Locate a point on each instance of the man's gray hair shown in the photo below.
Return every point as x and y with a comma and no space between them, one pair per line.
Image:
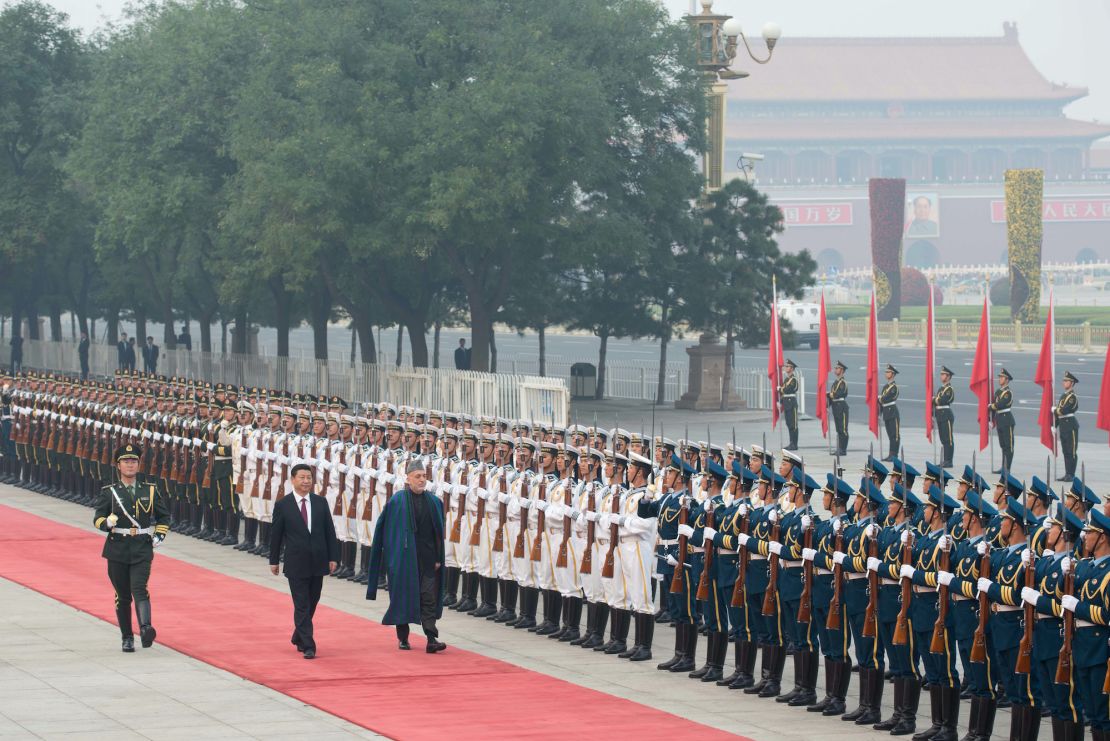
414,464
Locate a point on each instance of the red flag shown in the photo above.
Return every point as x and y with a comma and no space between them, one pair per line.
774,355
1103,419
1045,377
824,365
982,380
930,363
873,370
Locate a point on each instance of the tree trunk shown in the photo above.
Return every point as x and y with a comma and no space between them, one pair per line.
481,333
726,382
354,342
601,352
73,326
92,330
223,336
206,333
435,344
543,350
366,345
140,325
17,314
32,321
281,305
169,338
418,343
320,309
242,329
400,344
492,350
113,325
55,310
664,339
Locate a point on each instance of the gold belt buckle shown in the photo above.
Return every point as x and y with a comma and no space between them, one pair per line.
134,531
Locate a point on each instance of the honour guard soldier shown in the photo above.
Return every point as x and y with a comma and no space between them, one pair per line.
767,628
801,635
1080,499
136,518
726,562
1062,529
1091,606
942,414
858,538
838,399
714,607
637,536
788,392
1001,408
888,400
1068,425
1003,588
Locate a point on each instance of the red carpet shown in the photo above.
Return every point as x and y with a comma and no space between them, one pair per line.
360,676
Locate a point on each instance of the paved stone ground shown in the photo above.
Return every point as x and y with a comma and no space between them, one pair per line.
61,671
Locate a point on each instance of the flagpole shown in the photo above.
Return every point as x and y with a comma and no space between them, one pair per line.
990,365
873,320
1052,329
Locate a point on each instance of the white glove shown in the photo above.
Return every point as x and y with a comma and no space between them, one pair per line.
574,514
775,548
981,548
1030,596
158,540
197,442
210,446
983,585
808,554
837,525
907,571
671,560
525,503
580,519
502,497
744,509
872,531
1065,564
592,517
685,530
541,505
742,539
603,519
943,542
838,557
481,493
1048,553
1026,556
147,434
1069,602
904,537
944,578
873,564
112,519
707,533
98,425
807,522
773,516
622,521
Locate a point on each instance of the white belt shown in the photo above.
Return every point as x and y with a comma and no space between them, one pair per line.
756,557
1065,416
923,590
1084,624
854,577
668,542
726,552
824,572
221,457
1009,608
1004,411
791,564
788,396
961,598
938,406
695,549
890,404
138,531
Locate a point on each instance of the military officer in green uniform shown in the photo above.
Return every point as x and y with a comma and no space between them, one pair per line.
888,400
1001,407
788,392
838,399
136,518
942,414
1068,425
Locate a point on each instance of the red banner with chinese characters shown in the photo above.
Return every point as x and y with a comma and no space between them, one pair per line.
816,214
1062,209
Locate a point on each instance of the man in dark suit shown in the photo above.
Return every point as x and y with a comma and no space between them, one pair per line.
121,351
83,355
462,357
302,523
150,356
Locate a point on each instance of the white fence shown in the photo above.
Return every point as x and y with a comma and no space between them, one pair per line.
467,392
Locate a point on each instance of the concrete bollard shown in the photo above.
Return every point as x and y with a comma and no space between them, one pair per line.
894,332
1017,334
955,334
1087,336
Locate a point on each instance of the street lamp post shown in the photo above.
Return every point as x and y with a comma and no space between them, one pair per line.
717,39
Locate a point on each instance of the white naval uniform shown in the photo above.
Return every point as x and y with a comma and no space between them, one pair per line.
637,554
502,566
565,577
612,588
543,573
464,552
242,471
481,553
365,471
591,582
521,491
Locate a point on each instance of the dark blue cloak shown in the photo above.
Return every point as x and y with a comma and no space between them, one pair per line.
394,552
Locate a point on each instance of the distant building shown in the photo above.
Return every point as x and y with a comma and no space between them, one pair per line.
949,115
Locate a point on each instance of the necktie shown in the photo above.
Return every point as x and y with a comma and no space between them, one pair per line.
304,510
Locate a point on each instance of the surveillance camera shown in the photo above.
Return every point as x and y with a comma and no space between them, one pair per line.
751,156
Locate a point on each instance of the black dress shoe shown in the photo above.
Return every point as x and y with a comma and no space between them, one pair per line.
310,653
435,646
129,645
403,645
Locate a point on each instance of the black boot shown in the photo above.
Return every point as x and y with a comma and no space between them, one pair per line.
720,651
501,599
551,613
637,636
875,684
264,539
645,632
363,575
767,656
896,718
469,592
591,619
231,535
679,647
596,639
736,666
710,647
618,637
689,656
936,714
950,715
748,654
830,684
842,676
864,697
508,610
911,699
347,567
799,673
529,599
488,604
146,629
574,620
247,542
450,585
1017,723
774,682
975,717
127,634
808,693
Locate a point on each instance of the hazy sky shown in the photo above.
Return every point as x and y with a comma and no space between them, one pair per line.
1066,39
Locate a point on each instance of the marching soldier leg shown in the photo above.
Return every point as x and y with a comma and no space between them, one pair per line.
119,574
893,431
1069,445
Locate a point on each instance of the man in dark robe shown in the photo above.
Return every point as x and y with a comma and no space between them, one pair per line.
408,546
